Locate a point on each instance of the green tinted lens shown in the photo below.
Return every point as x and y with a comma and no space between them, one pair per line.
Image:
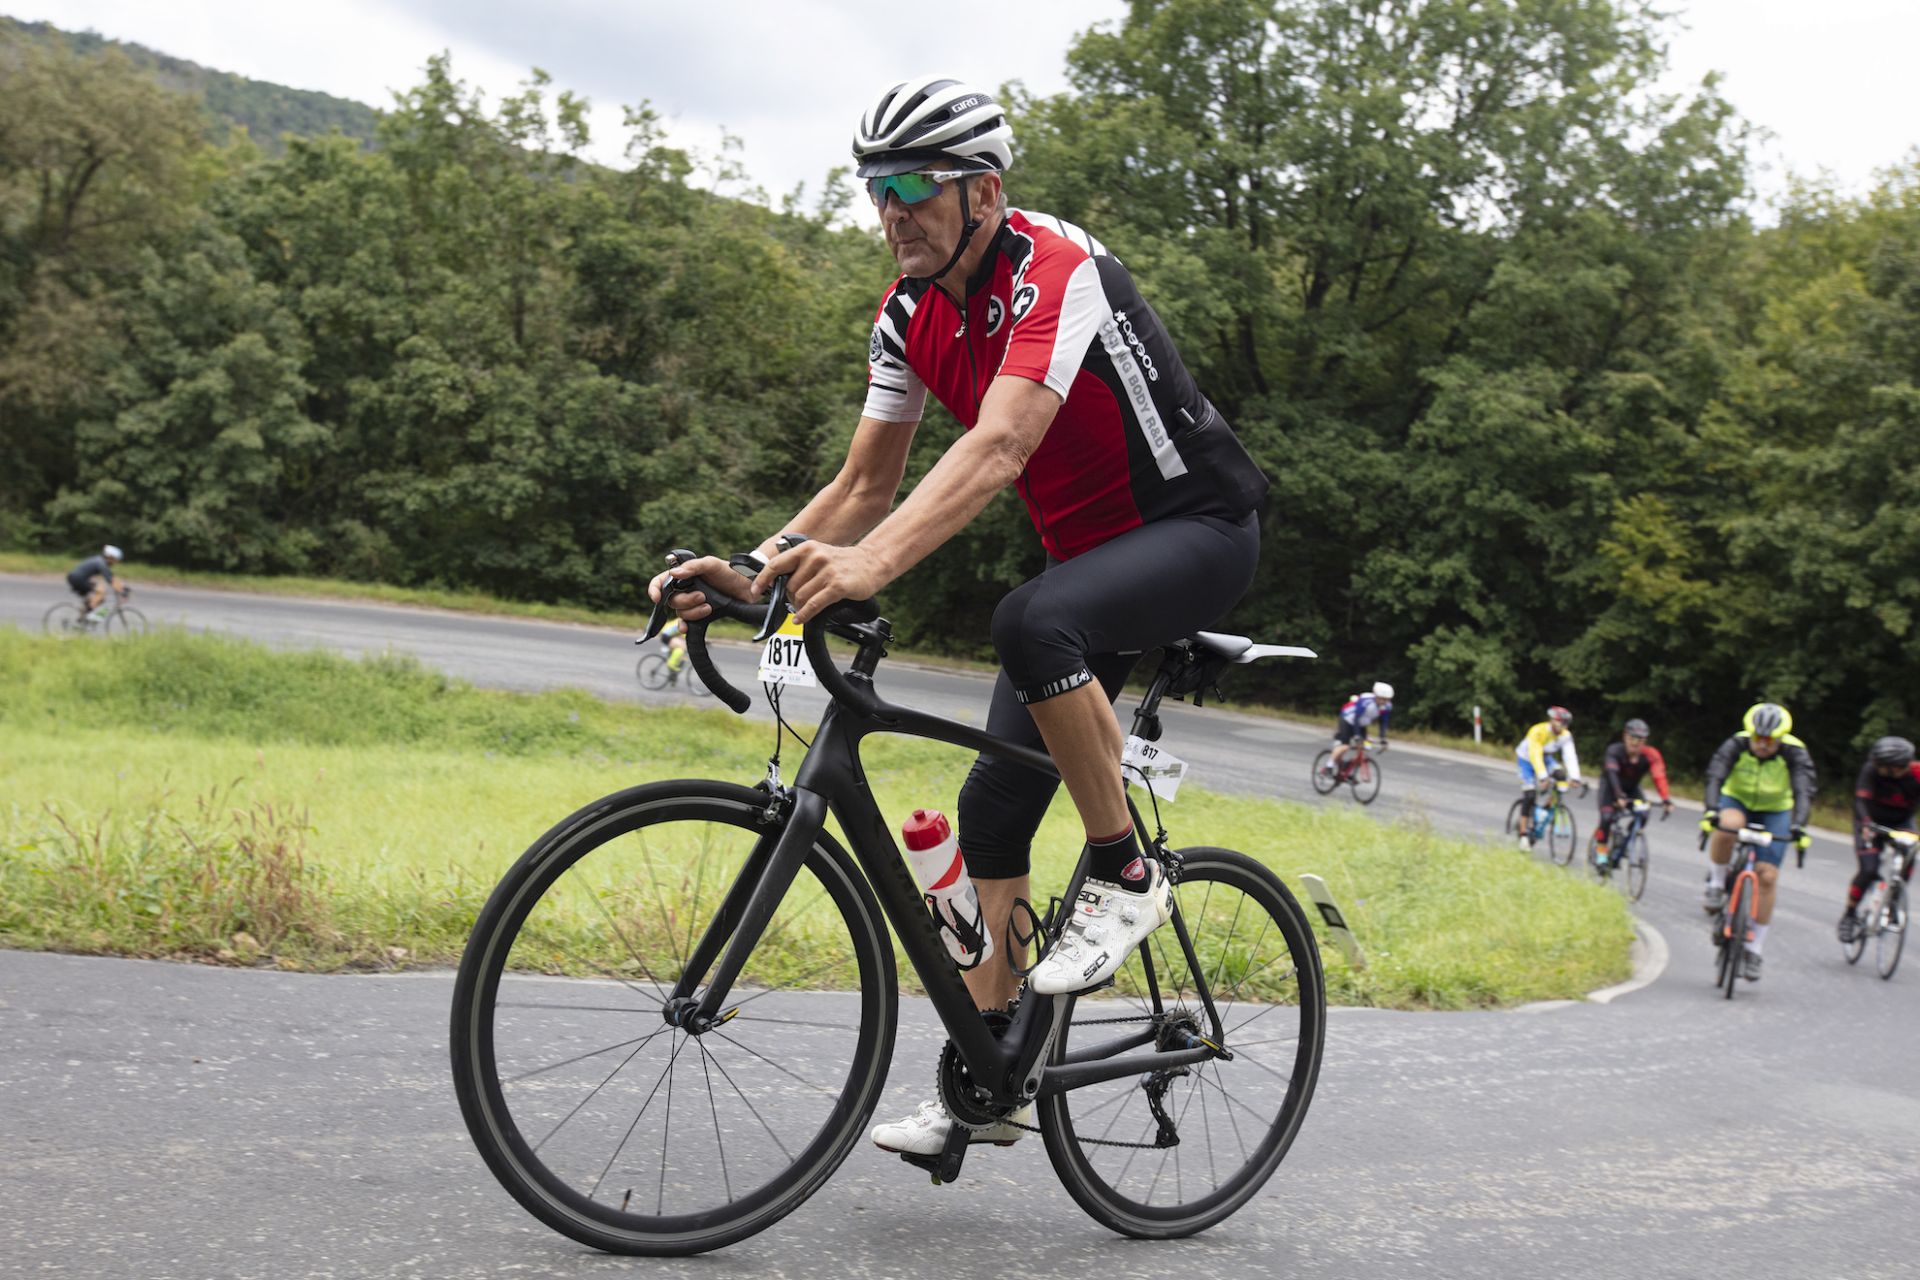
908,188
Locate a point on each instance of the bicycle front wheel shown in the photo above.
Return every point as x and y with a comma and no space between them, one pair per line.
611,1124
695,685
62,620
1892,935
1235,1119
1634,875
1735,942
1366,779
1323,781
1560,835
126,622
1517,817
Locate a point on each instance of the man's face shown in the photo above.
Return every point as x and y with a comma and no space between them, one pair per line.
922,235
1634,744
1764,747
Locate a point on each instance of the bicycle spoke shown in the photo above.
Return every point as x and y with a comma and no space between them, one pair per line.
591,1093
641,1042
775,1065
666,1127
624,1138
713,1105
740,1093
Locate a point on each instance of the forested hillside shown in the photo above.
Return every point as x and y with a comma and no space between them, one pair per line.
266,111
1549,417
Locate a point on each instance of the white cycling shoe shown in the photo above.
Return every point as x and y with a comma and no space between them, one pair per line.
1108,922
924,1133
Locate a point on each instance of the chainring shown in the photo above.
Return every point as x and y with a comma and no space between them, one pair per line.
956,1084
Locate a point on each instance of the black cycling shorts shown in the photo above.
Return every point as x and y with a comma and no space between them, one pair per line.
1345,731
1085,619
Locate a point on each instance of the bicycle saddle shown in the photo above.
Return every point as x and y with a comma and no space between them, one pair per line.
1239,649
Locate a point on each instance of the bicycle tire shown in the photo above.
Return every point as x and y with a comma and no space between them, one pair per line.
1516,817
1365,780
126,621
1736,941
570,893
1323,782
1892,937
1638,856
652,672
1862,931
1561,837
695,685
62,620
1213,893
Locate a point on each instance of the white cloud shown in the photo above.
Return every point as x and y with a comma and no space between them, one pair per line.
789,77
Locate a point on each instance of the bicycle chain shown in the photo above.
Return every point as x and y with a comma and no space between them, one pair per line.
1100,1142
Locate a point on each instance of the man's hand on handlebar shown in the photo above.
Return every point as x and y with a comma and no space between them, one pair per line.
820,575
692,605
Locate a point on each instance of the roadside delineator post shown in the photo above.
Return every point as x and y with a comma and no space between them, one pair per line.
1335,922
1476,726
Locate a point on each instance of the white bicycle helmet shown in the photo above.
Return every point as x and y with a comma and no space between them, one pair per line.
932,121
1383,691
111,552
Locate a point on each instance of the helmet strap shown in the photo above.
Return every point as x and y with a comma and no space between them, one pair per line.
972,224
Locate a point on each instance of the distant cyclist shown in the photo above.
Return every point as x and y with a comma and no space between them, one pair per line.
1551,739
1630,760
1357,715
1888,793
1762,775
674,637
91,577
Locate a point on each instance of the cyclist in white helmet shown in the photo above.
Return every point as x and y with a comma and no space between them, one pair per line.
1035,337
90,579
1357,715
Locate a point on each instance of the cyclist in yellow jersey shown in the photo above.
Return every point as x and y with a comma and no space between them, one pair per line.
1761,776
1551,739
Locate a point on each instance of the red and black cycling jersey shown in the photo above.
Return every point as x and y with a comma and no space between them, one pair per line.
1134,440
1891,802
1624,773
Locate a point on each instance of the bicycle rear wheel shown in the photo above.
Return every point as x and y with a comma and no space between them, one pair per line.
611,1124
1869,915
1235,1119
695,685
62,620
1365,780
1323,781
1561,838
1892,937
652,671
1517,817
126,622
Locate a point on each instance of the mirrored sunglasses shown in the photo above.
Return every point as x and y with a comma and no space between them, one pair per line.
911,188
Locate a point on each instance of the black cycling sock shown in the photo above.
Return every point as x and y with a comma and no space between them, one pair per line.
1117,860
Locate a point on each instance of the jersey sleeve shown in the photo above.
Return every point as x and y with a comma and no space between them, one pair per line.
1536,752
1058,308
1657,766
895,392
1572,757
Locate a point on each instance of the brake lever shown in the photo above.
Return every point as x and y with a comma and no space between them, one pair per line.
777,599
661,613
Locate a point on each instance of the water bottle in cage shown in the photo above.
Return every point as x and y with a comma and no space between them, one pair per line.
935,857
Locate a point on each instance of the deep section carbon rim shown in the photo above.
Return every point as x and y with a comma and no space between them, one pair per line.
605,1121
1234,1118
1892,937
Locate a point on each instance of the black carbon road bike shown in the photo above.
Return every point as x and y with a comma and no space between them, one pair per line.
676,1012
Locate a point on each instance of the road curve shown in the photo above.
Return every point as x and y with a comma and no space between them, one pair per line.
165,1120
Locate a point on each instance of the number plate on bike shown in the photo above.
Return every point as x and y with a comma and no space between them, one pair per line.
784,661
1159,771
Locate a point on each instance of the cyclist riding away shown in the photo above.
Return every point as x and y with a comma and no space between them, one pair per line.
1357,714
90,579
1035,337
1628,763
1551,737
1762,775
1888,793
674,637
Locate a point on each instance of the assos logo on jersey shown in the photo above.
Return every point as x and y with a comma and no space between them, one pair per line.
1023,299
996,312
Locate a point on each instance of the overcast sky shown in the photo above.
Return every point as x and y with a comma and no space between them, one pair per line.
1832,79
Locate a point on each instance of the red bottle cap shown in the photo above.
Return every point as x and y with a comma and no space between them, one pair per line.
925,829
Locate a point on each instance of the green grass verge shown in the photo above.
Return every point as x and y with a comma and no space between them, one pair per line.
206,798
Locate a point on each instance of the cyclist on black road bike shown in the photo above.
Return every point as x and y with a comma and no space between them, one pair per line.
1887,793
1629,761
1763,776
1034,336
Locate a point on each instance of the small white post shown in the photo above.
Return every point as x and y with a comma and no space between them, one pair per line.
1476,726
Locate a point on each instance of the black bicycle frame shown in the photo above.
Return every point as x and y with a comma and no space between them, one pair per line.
833,780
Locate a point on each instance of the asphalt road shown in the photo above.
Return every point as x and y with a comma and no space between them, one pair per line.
164,1120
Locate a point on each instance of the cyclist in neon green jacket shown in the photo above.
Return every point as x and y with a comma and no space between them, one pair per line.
1762,776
